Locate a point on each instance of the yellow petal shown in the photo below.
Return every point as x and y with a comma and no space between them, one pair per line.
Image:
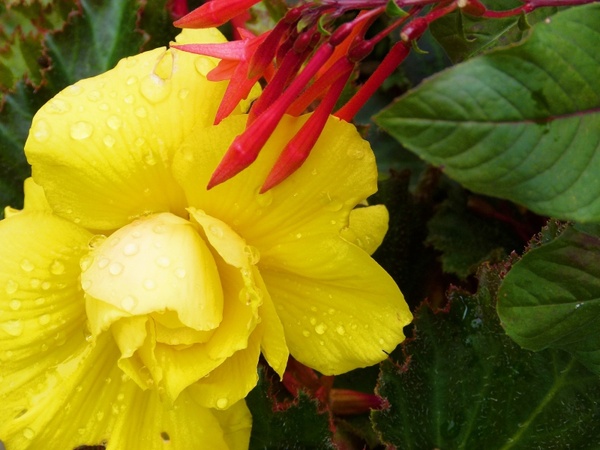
40,295
339,308
339,173
35,199
232,380
367,227
155,264
102,148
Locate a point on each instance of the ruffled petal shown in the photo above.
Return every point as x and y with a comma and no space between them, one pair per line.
367,227
339,308
339,173
43,316
232,380
102,148
156,264
89,401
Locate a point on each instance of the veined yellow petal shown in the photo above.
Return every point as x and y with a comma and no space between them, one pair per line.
40,295
307,203
232,380
367,227
121,129
35,199
339,308
155,264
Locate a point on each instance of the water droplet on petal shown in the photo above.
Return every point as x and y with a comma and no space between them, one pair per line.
46,285
320,329
39,301
340,330
149,158
15,304
103,262
114,122
141,112
216,230
356,153
73,90
313,320
128,303
12,327
28,433
109,141
180,273
81,130
149,284
57,106
129,99
41,131
252,253
222,403
131,80
115,268
163,261
154,88
204,65
264,199
305,333
103,107
57,267
131,249
11,287
86,285
183,93
27,265
44,319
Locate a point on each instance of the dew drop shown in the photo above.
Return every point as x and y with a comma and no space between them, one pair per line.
115,268
44,319
203,65
103,107
103,262
222,403
154,88
129,99
149,158
320,329
46,285
149,284
41,131
313,320
252,253
131,249
180,273
86,285
128,303
183,93
28,433
57,267
141,112
39,301
331,311
11,287
15,304
305,333
131,80
356,153
140,142
159,228
163,261
314,171
94,96
298,235
216,230
13,327
27,265
109,141
81,130
86,262
57,106
340,330
114,122
73,90
264,199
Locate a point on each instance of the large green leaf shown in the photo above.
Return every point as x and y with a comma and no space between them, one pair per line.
461,383
551,297
521,123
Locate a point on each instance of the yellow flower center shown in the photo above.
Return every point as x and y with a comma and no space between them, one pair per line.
156,284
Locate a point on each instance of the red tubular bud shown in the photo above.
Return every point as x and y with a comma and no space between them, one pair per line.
214,13
360,49
414,29
266,50
303,41
472,7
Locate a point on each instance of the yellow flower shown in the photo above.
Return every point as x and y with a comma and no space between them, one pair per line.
135,303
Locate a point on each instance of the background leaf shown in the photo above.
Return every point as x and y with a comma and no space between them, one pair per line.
551,297
520,123
461,383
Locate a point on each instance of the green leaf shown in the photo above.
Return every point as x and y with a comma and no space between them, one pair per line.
461,383
551,297
298,425
463,36
466,237
520,123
